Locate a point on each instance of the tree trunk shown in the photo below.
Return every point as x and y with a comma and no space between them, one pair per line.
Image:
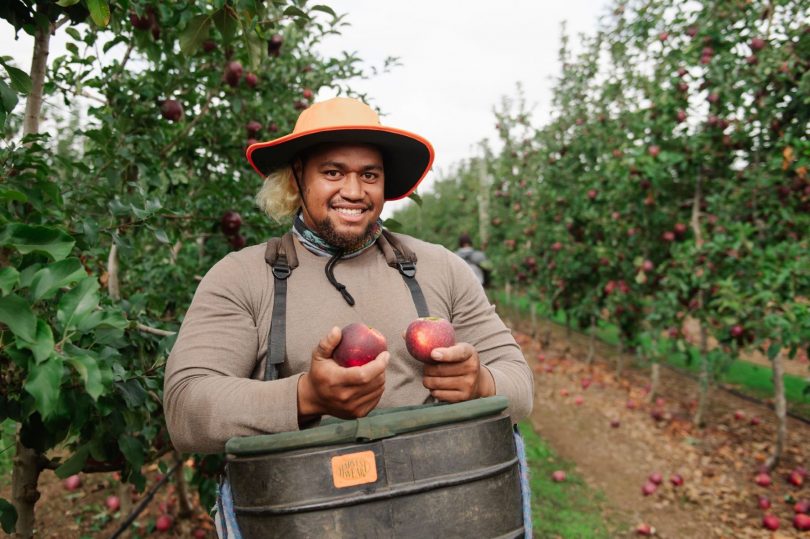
39,63
780,408
483,205
25,473
24,493
591,341
704,379
620,359
655,380
113,285
183,505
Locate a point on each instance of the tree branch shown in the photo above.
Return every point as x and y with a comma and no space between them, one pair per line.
154,331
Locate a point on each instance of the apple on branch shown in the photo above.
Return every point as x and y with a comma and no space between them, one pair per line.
426,333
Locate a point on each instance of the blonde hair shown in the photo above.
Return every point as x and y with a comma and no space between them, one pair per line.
278,196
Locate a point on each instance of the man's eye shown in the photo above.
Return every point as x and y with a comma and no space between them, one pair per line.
332,173
369,176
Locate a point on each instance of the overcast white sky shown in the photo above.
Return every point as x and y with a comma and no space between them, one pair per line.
459,58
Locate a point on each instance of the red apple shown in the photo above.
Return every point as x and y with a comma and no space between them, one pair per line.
558,476
763,503
649,488
274,45
171,109
556,246
564,392
645,529
251,79
72,483
763,480
307,94
358,345
253,127
163,523
801,522
209,45
802,506
585,383
739,415
656,478
237,241
113,503
736,331
757,44
615,423
653,150
425,334
676,480
770,522
754,421
230,222
233,73
796,478
579,399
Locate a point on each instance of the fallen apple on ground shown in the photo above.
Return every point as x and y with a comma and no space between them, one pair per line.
72,483
425,334
358,345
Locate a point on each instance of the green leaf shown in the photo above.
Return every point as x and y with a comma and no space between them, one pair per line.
293,11
773,350
104,319
8,97
226,24
324,9
78,303
8,516
133,450
133,393
54,276
43,383
20,81
392,224
67,3
88,368
16,313
99,12
161,236
72,32
9,277
12,194
416,198
195,33
74,464
44,239
43,345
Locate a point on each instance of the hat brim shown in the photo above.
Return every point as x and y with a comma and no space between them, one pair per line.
407,157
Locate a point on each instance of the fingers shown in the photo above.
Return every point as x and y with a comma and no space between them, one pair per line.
327,345
452,354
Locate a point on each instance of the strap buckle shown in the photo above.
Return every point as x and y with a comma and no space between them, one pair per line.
407,268
281,271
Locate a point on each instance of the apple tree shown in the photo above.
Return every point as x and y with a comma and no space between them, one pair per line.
123,181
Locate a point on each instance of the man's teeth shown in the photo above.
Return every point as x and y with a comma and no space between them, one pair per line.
347,211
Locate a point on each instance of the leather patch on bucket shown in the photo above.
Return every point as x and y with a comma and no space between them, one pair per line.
354,469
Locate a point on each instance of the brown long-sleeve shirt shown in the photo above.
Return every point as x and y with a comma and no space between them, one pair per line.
213,388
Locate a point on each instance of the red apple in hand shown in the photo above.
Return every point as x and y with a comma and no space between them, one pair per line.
359,344
425,334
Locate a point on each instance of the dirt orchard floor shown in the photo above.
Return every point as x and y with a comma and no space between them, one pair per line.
81,513
719,498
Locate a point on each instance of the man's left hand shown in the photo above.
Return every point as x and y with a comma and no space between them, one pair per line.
457,374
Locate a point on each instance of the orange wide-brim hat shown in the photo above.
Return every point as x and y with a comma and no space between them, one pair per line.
407,157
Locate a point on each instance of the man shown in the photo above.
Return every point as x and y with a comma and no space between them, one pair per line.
333,173
475,259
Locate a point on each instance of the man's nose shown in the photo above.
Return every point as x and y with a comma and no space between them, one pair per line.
352,187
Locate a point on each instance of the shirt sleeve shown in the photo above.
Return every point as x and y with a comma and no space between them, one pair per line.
477,323
209,396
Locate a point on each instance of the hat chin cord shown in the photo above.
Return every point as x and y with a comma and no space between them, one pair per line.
330,266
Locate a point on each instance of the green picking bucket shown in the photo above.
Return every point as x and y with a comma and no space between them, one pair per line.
438,470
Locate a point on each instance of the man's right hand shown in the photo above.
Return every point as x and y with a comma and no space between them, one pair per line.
342,392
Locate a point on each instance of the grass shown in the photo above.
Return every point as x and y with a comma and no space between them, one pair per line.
748,378
569,509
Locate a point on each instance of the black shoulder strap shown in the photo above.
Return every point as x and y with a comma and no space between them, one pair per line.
280,254
404,260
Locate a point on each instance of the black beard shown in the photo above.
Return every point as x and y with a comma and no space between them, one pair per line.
326,230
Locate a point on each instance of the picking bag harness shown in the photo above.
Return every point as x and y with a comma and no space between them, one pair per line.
280,255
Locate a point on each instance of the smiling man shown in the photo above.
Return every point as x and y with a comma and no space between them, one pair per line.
254,353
